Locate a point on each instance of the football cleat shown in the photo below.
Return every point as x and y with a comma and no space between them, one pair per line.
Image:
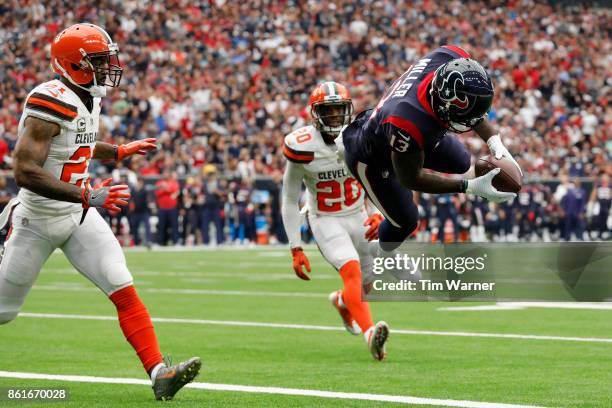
350,324
377,340
171,378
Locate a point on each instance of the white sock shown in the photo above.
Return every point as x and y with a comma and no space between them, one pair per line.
341,301
366,334
154,372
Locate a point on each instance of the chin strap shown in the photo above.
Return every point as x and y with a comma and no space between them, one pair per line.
94,90
97,91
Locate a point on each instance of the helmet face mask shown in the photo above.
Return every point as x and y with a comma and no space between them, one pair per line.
465,126
331,108
85,55
331,117
462,93
105,67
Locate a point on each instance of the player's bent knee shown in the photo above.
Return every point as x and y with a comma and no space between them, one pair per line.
391,237
8,316
410,218
338,251
413,226
404,226
465,163
117,276
410,224
351,270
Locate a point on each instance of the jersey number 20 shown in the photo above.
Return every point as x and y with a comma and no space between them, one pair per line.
333,191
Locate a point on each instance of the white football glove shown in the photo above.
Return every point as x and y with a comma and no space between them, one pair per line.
498,150
482,186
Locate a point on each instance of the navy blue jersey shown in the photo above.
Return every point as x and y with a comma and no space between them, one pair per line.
404,120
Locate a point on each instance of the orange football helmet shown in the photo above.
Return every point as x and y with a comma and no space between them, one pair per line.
325,101
85,54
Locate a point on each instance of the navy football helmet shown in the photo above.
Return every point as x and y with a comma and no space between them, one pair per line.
462,94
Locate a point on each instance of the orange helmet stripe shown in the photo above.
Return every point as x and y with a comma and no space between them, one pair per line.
323,91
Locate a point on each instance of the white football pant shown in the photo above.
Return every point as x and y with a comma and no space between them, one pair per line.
91,248
342,238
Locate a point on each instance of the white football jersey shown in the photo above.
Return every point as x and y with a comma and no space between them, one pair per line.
331,188
71,150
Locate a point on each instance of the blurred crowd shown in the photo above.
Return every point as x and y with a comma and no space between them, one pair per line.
220,83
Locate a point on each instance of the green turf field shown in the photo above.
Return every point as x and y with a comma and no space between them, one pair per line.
216,296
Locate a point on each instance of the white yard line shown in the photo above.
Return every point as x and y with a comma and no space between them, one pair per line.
271,390
495,307
527,305
226,275
75,288
277,249
500,306
327,328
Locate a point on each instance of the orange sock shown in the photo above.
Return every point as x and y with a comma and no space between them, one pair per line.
137,327
351,295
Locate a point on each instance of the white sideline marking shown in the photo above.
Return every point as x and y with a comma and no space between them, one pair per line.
208,248
74,288
225,275
325,328
527,305
501,306
271,390
273,254
280,248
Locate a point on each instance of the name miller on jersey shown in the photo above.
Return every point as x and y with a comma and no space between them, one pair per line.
332,174
85,138
412,74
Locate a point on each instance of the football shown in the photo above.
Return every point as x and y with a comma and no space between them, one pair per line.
508,179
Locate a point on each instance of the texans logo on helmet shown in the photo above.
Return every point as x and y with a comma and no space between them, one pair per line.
448,90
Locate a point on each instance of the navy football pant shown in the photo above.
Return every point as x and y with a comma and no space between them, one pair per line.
395,201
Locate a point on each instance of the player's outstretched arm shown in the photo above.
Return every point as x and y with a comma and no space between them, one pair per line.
489,134
30,155
107,151
290,211
409,170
